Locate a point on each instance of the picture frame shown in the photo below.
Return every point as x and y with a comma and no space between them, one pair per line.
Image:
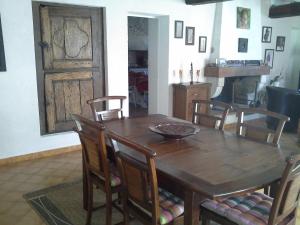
280,43
243,18
269,57
189,35
202,43
2,53
266,34
243,45
178,30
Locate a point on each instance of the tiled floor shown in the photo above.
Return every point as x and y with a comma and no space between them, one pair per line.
20,178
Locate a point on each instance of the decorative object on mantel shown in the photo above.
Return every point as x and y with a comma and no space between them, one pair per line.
266,34
191,73
202,43
243,45
178,33
235,68
243,18
189,35
2,54
280,43
269,57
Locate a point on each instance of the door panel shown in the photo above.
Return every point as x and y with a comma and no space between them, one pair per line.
66,93
71,41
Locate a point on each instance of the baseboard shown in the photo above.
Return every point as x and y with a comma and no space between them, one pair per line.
38,155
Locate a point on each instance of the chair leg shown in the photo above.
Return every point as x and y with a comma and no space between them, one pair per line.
119,198
267,190
205,221
125,208
90,203
108,209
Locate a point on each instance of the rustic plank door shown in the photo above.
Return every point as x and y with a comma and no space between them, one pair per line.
71,46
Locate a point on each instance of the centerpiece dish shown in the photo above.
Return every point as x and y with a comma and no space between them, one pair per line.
174,130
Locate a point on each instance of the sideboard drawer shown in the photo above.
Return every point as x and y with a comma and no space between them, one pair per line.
183,96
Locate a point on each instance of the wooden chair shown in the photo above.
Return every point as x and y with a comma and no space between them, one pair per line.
97,168
202,114
142,197
257,133
257,208
100,115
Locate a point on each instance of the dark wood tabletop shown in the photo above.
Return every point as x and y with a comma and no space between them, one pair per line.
209,164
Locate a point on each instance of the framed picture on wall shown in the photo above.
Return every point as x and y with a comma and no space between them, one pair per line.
190,35
178,29
2,54
243,45
280,43
202,43
269,57
243,18
266,34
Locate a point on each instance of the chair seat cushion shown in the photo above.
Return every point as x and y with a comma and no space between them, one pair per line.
251,209
115,179
170,206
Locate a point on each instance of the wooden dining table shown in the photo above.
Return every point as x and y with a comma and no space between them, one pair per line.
209,164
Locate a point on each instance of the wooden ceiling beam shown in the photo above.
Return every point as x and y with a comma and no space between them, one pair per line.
200,2
288,10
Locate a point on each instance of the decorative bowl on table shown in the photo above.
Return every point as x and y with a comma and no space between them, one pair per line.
174,130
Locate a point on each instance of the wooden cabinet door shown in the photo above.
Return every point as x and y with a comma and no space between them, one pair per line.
71,43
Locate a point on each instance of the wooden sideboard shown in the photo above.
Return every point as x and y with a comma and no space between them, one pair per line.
184,93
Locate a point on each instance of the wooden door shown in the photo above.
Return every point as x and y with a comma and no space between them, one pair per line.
71,49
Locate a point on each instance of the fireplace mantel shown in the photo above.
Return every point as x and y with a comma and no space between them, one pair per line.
220,72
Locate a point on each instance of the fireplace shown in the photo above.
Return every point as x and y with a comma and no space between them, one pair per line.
240,90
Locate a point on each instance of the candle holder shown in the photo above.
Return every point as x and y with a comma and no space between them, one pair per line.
180,76
198,75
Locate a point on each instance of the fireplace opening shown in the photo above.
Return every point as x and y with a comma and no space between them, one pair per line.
240,91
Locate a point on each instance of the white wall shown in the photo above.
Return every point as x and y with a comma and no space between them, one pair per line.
230,33
295,56
19,131
283,61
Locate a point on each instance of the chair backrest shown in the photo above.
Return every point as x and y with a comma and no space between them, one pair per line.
94,150
287,197
202,113
138,176
98,104
259,133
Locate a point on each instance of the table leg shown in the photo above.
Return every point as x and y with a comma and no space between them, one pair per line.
191,208
84,187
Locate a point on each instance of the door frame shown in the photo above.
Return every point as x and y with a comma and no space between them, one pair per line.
158,62
39,57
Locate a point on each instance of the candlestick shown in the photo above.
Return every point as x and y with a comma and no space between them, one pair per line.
191,73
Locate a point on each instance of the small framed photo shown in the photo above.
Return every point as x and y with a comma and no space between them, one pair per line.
202,43
243,45
178,29
243,18
190,35
269,57
266,34
280,43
